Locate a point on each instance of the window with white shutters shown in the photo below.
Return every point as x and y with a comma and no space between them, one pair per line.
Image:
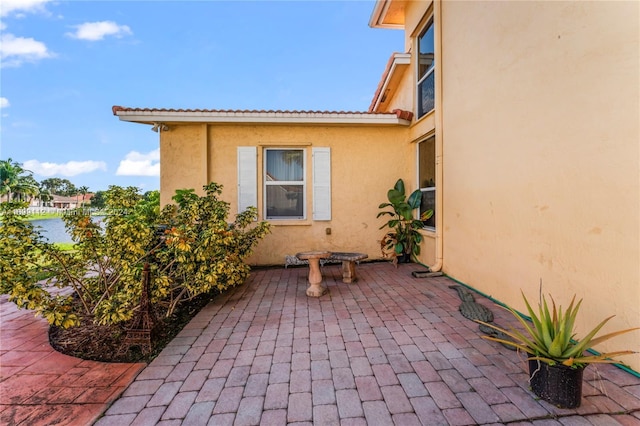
284,182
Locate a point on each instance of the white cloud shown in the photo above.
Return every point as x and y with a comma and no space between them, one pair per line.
71,168
16,50
22,6
137,164
4,103
94,31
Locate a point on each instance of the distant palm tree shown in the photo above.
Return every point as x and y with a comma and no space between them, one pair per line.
82,190
15,180
26,188
9,172
44,196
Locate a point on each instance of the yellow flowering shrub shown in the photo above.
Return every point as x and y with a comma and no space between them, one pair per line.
190,248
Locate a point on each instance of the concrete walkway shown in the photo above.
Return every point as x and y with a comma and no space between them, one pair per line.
388,350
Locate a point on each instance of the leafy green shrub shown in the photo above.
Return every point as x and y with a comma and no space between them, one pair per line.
202,251
25,257
190,248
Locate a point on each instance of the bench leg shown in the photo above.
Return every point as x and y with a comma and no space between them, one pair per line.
315,289
349,272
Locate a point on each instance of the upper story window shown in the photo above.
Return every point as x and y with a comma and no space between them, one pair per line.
284,181
426,66
427,178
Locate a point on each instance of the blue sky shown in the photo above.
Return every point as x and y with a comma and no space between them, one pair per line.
66,63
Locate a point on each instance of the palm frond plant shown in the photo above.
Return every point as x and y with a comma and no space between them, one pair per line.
551,341
404,237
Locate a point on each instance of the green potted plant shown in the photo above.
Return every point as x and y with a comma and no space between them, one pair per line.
557,356
402,243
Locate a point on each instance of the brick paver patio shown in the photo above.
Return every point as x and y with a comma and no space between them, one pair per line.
388,350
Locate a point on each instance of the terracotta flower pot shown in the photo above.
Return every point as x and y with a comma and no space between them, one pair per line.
557,384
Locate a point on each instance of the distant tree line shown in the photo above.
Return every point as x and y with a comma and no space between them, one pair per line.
18,184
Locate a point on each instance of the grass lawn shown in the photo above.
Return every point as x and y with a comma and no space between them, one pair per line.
65,246
43,216
58,215
44,274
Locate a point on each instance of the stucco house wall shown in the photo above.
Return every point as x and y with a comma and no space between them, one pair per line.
537,122
542,161
184,165
365,162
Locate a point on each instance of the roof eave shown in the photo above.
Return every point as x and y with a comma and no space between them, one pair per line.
397,64
380,14
398,118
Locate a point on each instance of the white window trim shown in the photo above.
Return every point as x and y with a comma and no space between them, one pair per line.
426,188
431,70
302,183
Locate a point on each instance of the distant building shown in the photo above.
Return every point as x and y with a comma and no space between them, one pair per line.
63,202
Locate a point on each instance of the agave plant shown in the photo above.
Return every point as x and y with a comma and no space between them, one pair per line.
552,338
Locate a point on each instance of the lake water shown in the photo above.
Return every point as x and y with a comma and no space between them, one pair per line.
54,230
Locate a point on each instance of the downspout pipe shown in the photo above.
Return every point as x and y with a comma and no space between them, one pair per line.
437,19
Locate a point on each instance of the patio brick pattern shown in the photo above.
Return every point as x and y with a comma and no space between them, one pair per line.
389,349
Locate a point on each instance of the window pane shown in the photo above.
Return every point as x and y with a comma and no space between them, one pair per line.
426,95
425,49
427,178
426,75
284,165
427,163
428,202
284,183
285,201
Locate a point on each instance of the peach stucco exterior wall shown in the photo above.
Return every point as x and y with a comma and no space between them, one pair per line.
402,97
541,156
184,148
365,162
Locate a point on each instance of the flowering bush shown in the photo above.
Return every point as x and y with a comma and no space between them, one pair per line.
190,248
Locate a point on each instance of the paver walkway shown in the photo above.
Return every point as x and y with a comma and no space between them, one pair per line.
388,350
39,386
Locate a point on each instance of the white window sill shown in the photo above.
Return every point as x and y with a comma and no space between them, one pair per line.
289,222
428,231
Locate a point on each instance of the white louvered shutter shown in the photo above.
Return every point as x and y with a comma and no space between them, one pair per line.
321,183
247,177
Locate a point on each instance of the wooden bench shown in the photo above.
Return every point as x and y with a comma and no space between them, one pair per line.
348,264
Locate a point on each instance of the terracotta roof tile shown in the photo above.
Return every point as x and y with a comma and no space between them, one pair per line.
403,114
